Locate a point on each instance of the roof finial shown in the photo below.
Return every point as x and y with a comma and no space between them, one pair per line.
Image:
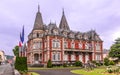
63,11
38,8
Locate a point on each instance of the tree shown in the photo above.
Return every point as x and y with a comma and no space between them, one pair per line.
49,64
115,49
16,51
21,64
106,61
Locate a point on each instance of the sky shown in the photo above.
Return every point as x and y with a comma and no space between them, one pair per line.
82,15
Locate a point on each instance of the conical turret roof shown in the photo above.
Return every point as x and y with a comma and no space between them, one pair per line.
63,23
38,24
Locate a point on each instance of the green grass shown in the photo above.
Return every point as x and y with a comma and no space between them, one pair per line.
97,71
33,73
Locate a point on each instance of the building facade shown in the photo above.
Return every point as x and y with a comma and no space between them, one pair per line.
2,57
61,44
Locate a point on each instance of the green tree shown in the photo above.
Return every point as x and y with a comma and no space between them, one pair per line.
115,49
16,51
49,64
106,61
21,64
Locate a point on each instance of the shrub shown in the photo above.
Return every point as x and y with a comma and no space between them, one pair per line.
49,64
98,64
94,62
111,63
21,64
106,61
64,65
109,69
78,63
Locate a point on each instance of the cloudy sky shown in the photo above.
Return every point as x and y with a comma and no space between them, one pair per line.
82,15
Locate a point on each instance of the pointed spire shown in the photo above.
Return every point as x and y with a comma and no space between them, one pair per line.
38,24
63,23
38,8
63,11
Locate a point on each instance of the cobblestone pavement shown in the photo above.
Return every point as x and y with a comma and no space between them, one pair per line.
54,72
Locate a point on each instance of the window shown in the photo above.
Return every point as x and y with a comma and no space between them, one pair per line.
56,44
37,45
37,35
65,45
86,46
80,45
80,58
53,44
56,56
97,46
65,57
55,31
65,34
86,58
72,57
34,35
98,57
72,45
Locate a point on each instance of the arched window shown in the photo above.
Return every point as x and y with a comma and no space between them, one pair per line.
37,45
72,45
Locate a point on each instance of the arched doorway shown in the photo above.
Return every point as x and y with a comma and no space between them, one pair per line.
36,58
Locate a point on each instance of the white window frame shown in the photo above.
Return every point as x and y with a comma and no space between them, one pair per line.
65,44
72,45
80,45
86,46
56,43
97,46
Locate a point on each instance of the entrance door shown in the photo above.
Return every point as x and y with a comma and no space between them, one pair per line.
36,58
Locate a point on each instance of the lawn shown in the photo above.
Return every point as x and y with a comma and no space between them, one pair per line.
97,71
33,73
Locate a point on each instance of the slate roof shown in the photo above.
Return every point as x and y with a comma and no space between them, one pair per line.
63,29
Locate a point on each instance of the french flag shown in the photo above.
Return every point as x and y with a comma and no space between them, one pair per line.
21,42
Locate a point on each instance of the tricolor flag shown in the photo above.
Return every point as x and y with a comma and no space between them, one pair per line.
21,42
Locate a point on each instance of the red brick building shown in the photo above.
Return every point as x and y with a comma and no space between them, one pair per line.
61,44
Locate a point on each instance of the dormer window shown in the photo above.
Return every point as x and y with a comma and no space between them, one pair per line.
86,37
65,34
55,31
80,36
